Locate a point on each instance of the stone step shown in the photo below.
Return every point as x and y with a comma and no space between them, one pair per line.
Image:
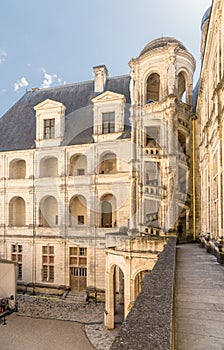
76,297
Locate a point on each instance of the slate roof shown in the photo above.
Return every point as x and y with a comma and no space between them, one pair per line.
18,125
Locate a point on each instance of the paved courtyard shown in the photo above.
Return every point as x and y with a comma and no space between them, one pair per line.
50,323
26,333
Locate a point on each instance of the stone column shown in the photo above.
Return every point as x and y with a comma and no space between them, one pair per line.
109,302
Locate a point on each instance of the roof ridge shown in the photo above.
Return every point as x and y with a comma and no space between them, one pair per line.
76,83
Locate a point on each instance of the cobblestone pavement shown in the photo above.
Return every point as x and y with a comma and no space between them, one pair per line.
87,315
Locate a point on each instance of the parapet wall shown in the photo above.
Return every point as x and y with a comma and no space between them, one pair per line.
149,324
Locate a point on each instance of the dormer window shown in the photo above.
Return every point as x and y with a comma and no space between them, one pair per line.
49,128
108,123
109,116
50,123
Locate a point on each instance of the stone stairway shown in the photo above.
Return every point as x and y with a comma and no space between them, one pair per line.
76,297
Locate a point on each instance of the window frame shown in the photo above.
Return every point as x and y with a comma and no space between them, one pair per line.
48,273
49,130
108,122
17,256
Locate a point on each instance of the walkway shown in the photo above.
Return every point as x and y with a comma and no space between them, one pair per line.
199,300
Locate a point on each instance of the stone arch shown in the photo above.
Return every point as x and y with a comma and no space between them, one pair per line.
184,81
17,169
48,212
49,167
152,87
108,210
77,211
108,163
137,278
78,165
115,296
17,211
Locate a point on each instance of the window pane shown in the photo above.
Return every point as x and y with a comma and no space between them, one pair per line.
82,261
73,261
80,220
45,269
49,126
20,271
83,272
80,172
45,250
76,271
82,251
44,259
51,250
108,122
72,251
51,276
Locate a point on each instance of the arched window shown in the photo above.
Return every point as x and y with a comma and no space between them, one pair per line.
48,212
108,164
181,88
77,211
108,211
17,212
78,165
49,167
17,169
153,88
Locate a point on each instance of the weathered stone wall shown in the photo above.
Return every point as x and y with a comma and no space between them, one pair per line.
149,323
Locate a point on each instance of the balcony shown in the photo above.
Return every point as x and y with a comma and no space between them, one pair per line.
153,151
154,191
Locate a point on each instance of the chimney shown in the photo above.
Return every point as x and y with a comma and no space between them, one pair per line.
100,77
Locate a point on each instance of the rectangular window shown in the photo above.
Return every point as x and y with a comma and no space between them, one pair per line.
108,123
16,256
49,128
80,219
152,136
80,172
48,263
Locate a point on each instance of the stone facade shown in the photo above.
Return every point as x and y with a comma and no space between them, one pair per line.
209,125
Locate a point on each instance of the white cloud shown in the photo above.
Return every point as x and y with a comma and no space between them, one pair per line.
50,79
20,83
3,55
3,91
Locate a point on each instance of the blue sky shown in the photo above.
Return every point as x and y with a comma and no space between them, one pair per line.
52,42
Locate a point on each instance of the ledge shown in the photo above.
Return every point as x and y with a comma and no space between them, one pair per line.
149,324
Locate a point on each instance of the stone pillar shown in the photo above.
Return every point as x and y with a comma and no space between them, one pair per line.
109,304
133,223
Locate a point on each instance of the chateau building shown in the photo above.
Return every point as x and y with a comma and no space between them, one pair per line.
94,176
209,123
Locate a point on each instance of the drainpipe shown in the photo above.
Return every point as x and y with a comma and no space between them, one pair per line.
193,175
